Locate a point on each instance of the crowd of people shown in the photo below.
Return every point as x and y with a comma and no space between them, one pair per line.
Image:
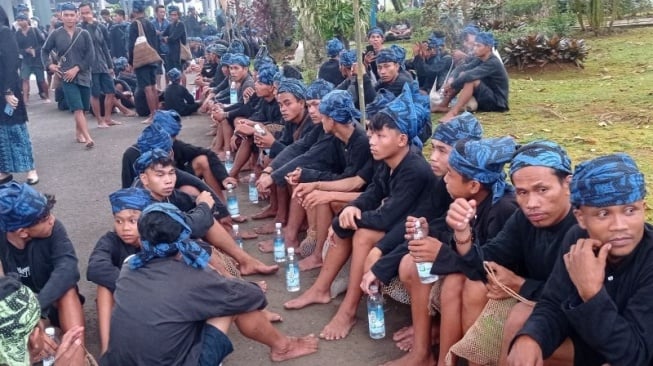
545,262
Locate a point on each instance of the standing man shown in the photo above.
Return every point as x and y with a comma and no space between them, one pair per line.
193,23
145,75
102,68
174,36
74,49
160,24
29,42
118,35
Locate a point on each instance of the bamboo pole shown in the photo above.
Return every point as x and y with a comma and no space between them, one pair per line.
360,64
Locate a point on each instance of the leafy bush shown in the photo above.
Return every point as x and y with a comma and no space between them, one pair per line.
387,19
539,50
518,8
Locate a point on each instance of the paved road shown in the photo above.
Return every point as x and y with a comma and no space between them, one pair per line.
82,181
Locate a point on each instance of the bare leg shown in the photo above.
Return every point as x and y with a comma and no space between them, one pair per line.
124,110
221,239
474,300
152,102
104,307
340,325
320,291
201,169
109,102
254,325
82,128
227,132
26,91
321,224
420,353
218,141
71,314
464,96
296,216
242,155
451,329
95,106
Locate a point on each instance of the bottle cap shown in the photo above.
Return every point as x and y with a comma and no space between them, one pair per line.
291,250
230,186
374,289
277,225
252,175
49,331
234,227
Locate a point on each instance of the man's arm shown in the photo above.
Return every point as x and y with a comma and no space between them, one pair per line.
88,53
105,46
101,269
478,72
189,152
65,273
45,50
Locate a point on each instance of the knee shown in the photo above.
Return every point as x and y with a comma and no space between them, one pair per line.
190,190
200,164
452,288
407,269
366,237
474,293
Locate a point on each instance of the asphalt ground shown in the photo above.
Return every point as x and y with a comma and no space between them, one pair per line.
82,180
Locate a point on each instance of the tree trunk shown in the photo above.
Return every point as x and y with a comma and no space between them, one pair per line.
314,51
398,5
282,21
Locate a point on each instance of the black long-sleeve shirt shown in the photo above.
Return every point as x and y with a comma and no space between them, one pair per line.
9,79
397,85
178,98
613,327
528,251
291,133
242,108
51,264
33,39
82,53
100,37
393,193
351,85
293,151
148,31
118,38
491,72
267,112
176,33
185,153
433,68
330,71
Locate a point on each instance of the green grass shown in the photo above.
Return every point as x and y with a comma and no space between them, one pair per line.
601,109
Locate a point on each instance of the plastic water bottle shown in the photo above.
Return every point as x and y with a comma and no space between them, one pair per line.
253,192
424,268
279,245
375,316
233,93
292,272
232,201
237,237
229,161
50,333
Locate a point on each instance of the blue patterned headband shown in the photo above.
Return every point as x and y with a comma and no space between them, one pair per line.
292,86
154,137
463,126
21,206
339,105
191,252
169,121
483,161
129,199
541,153
348,57
609,180
266,74
333,47
318,89
147,158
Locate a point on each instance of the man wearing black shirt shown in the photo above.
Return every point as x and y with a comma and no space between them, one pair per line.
118,34
391,76
29,42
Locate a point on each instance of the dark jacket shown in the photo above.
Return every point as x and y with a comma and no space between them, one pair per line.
150,34
82,53
9,79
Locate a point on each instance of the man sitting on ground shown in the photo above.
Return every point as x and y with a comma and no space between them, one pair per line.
330,69
177,98
600,294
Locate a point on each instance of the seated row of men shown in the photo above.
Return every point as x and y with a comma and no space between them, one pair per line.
577,245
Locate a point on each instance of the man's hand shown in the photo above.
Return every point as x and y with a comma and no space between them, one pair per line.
230,180
424,250
247,93
460,214
264,183
586,269
55,69
244,129
348,216
410,227
369,57
315,198
525,352
417,50
70,75
70,347
304,189
205,197
264,141
293,177
369,278
218,114
506,277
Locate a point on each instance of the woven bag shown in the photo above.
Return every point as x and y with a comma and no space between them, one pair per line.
144,54
482,342
185,53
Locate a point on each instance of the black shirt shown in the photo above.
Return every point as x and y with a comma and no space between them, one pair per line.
330,71
33,39
150,34
491,72
177,97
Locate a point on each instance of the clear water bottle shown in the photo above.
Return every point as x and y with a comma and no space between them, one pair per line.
229,161
253,192
292,272
232,201
50,333
279,245
423,268
233,93
375,316
237,237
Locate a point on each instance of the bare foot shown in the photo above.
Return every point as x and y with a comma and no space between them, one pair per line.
296,347
263,285
310,262
413,359
311,296
266,229
257,267
102,125
246,234
90,144
266,213
271,316
266,246
113,123
148,120
130,114
80,140
404,338
239,219
339,327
